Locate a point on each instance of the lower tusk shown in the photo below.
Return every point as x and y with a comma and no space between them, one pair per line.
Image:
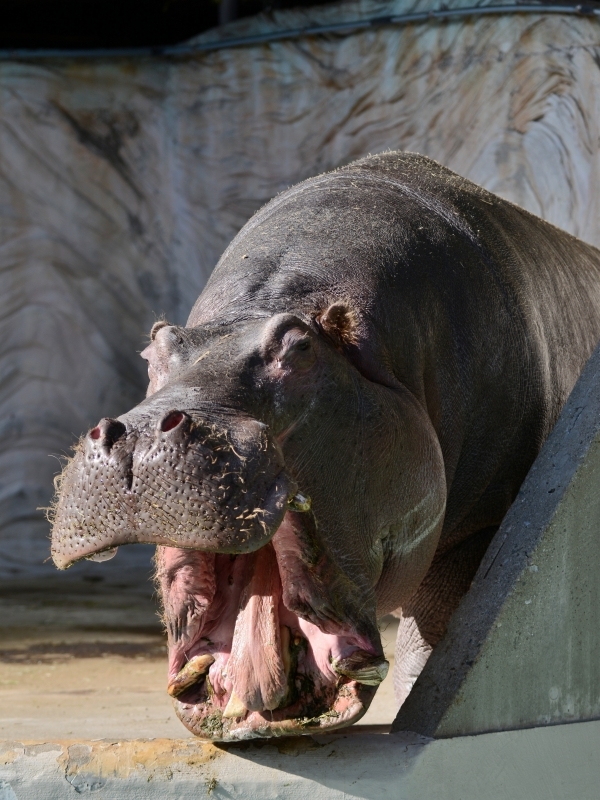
194,669
300,502
362,668
234,708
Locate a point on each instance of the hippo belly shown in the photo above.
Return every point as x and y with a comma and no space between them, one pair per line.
335,435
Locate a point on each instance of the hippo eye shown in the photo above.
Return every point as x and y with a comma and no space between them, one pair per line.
300,346
175,337
299,354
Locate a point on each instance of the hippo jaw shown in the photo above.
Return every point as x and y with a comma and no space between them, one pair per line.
242,662
266,636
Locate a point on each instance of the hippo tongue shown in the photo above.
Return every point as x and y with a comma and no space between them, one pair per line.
256,666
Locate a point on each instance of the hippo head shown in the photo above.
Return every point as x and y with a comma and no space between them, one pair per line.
294,488
226,466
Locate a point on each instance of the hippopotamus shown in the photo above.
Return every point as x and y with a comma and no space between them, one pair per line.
334,436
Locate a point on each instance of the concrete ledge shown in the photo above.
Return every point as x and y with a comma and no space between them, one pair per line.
537,764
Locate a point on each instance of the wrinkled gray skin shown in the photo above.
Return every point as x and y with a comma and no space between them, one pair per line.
388,344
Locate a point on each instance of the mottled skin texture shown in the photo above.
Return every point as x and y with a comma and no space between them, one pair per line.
388,340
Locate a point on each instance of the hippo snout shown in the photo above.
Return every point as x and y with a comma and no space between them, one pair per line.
177,478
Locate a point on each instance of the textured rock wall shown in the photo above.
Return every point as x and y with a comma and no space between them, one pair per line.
122,181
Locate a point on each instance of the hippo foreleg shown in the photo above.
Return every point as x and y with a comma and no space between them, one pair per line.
425,617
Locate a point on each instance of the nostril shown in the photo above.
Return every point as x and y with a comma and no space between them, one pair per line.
107,431
172,420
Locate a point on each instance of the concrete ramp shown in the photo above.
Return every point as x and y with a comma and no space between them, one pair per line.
523,649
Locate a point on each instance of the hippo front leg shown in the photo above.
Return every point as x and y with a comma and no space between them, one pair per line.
425,616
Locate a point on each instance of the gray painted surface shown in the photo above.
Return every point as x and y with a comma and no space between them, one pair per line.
540,764
523,649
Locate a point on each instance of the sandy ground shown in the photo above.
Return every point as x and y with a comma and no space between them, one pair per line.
85,659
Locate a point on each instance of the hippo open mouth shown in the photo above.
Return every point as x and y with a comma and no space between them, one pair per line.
266,636
241,663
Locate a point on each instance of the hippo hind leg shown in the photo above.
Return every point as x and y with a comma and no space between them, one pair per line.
425,617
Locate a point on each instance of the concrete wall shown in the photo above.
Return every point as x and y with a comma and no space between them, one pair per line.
122,181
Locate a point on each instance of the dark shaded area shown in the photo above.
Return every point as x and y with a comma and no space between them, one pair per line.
121,23
46,653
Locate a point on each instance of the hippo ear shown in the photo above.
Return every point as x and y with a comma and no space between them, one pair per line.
160,354
160,323
339,323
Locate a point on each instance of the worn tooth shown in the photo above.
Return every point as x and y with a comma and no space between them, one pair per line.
362,668
234,708
194,669
300,502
